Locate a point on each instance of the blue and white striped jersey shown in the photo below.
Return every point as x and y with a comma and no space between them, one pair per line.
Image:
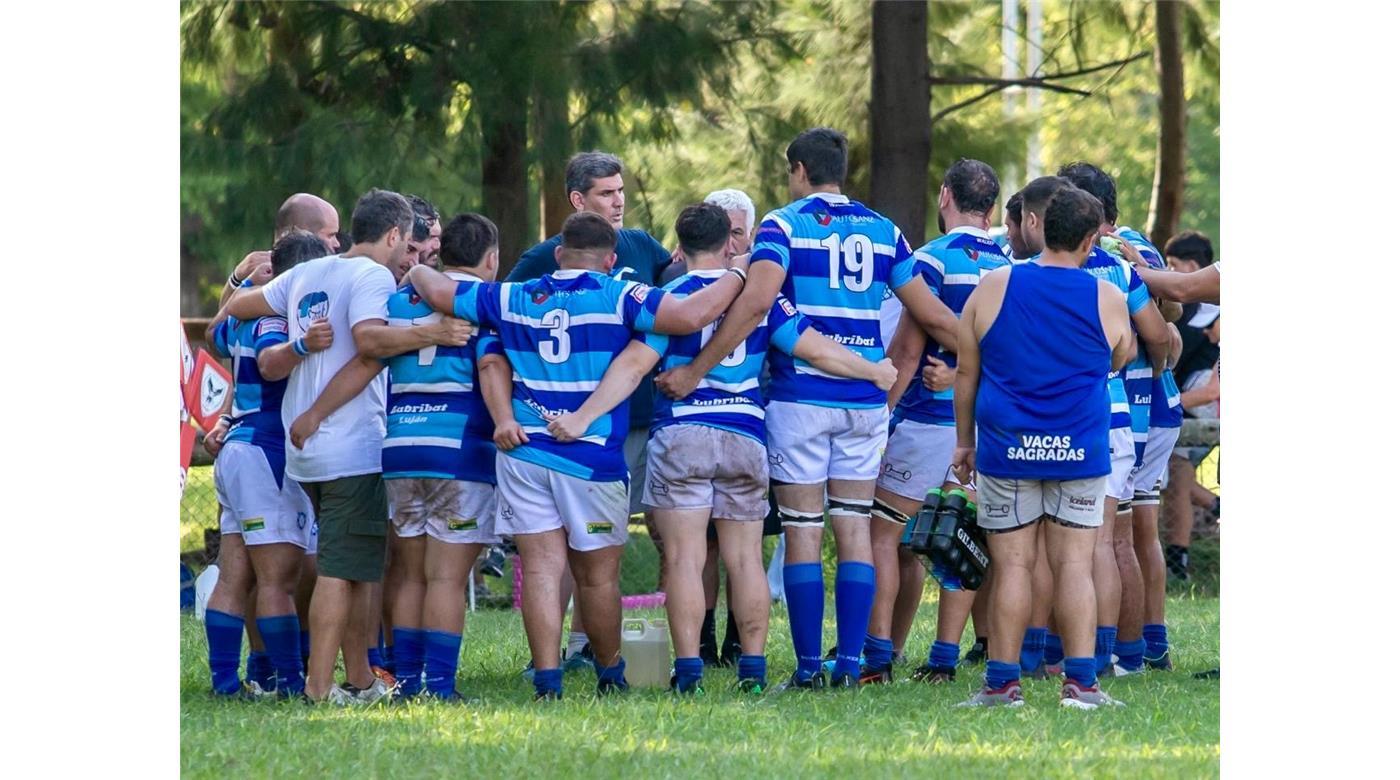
839,257
728,397
559,333
952,265
1119,273
438,426
1163,407
257,403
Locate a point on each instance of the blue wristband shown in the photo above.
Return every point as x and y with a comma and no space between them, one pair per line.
299,347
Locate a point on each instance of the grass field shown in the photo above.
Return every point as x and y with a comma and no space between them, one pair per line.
1170,727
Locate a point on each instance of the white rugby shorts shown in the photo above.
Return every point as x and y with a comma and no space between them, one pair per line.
808,444
532,499
251,504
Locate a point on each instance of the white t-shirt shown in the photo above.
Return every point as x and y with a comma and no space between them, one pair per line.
345,291
890,309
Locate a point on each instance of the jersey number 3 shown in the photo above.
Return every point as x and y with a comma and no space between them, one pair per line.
556,348
852,261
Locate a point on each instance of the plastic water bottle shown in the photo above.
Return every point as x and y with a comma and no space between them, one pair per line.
646,646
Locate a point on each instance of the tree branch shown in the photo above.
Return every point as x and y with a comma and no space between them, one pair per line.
1039,82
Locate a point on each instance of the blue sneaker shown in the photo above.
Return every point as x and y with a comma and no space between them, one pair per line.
583,659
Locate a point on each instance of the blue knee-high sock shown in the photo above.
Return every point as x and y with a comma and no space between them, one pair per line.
1082,671
549,681
390,659
878,652
1033,648
1130,654
409,644
225,635
754,667
1104,640
806,601
1054,650
440,653
855,593
999,673
1156,636
688,673
376,658
614,673
260,669
943,655
282,637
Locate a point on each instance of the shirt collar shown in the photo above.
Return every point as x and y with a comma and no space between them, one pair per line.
834,198
708,273
979,232
569,273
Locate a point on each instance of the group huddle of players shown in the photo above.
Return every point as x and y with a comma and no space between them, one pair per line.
397,410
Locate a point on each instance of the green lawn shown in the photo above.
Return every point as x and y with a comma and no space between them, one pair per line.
1170,728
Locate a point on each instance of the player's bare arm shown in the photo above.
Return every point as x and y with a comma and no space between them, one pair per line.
834,358
932,314
622,377
680,316
493,372
379,339
904,350
746,312
276,363
348,382
965,387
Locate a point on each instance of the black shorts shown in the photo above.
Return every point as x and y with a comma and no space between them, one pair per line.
353,515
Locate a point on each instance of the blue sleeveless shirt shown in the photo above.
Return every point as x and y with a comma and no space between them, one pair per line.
1042,401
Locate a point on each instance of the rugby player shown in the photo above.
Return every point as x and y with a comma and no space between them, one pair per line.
706,457
1033,421
567,501
833,259
265,519
593,183
336,458
922,435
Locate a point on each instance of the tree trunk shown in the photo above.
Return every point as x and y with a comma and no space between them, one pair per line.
900,135
1169,185
552,148
504,182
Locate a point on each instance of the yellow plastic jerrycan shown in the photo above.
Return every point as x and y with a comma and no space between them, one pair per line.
646,646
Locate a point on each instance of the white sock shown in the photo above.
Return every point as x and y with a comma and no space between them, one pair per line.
577,639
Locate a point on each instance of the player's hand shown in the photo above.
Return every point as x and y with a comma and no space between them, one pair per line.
509,435
451,332
964,463
319,336
677,256
304,427
567,427
1132,255
214,439
255,265
740,261
885,375
677,383
937,376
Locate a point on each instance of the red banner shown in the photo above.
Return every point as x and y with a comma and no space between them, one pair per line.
207,390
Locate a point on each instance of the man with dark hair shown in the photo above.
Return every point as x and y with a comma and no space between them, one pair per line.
1032,421
593,183
426,237
566,500
1014,239
706,459
338,463
833,258
265,519
1117,575
920,448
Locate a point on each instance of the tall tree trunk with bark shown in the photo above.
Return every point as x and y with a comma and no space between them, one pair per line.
1169,185
504,183
900,134
552,148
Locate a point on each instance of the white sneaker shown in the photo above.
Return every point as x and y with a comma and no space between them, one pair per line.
252,690
1072,694
340,697
1118,671
377,692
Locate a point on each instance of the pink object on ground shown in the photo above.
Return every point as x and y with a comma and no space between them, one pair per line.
644,600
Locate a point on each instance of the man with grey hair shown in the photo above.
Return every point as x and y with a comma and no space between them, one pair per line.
593,182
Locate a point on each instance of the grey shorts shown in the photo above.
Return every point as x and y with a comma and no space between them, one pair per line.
1008,504
634,449
703,467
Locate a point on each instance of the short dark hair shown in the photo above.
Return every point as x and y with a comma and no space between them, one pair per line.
466,240
1191,245
586,230
342,240
974,186
702,227
424,215
1092,179
587,167
376,213
822,151
1071,216
296,247
1036,195
1013,209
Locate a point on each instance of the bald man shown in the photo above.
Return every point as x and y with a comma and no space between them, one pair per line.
302,211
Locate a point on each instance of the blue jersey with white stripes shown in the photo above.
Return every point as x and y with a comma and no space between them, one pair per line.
560,332
1137,375
1119,273
437,425
257,402
728,397
839,257
952,265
